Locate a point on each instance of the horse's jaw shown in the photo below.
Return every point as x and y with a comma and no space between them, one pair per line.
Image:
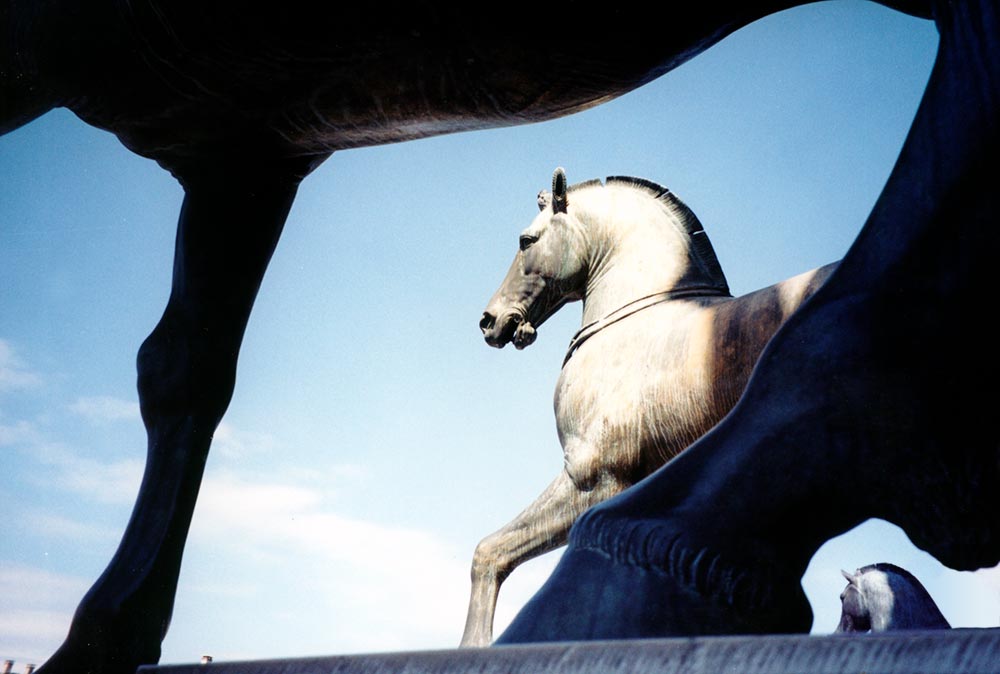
524,335
519,325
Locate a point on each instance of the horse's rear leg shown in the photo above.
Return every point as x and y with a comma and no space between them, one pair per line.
229,225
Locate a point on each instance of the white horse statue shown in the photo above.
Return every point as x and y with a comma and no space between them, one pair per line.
883,597
664,352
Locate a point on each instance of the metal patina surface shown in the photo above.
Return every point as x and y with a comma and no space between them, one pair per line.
868,402
664,352
884,597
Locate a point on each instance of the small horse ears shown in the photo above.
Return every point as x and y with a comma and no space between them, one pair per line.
557,197
559,200
851,578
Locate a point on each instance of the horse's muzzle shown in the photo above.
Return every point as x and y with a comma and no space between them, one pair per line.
499,331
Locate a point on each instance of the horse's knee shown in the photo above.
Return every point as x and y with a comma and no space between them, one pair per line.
488,561
183,371
483,561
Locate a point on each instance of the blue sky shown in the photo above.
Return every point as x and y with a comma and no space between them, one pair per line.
374,438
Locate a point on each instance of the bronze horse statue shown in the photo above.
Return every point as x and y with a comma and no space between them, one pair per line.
866,403
664,352
884,597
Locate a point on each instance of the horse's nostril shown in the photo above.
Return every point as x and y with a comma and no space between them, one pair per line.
487,322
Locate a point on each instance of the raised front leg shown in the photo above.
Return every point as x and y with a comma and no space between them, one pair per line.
541,527
229,226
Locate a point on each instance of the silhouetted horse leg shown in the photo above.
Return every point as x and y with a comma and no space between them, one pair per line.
868,403
229,225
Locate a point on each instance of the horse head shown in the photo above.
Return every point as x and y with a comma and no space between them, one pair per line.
883,597
854,615
611,244
548,271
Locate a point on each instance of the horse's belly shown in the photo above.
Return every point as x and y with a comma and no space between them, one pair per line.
169,78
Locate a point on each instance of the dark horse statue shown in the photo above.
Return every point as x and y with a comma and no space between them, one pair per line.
884,597
872,401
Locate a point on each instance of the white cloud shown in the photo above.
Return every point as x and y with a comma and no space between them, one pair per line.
18,433
48,463
14,375
231,443
115,482
331,583
62,528
385,587
30,635
103,409
22,585
38,607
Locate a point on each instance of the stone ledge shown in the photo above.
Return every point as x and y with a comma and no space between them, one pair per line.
968,651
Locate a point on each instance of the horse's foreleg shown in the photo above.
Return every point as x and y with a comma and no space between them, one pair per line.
228,229
541,527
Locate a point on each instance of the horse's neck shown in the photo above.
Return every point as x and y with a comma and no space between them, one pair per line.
632,261
898,604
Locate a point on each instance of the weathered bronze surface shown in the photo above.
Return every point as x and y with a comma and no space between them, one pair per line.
664,351
884,598
868,402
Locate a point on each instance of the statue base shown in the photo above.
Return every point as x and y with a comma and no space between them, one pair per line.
956,651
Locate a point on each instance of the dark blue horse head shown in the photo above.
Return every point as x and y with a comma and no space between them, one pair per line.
882,597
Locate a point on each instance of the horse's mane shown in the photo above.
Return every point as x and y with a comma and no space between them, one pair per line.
914,606
886,567
683,215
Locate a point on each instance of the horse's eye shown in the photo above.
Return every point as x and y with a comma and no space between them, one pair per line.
527,240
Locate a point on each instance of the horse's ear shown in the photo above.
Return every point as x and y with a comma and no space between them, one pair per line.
559,201
851,578
544,199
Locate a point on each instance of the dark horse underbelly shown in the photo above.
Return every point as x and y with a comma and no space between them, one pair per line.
182,79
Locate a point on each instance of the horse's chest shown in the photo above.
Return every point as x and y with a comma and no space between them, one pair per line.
630,387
